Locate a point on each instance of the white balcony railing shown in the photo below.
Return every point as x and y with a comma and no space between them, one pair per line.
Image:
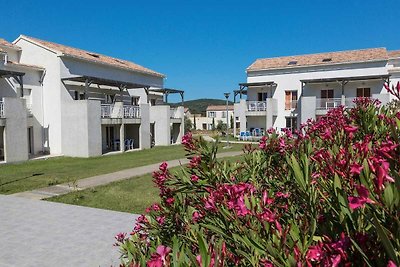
174,113
328,103
131,112
128,111
256,105
1,109
106,110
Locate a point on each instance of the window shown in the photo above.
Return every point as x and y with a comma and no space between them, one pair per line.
211,114
204,126
294,62
223,114
327,93
363,92
262,96
291,123
290,100
327,60
153,102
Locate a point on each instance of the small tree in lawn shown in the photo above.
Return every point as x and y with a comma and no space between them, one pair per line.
231,126
194,122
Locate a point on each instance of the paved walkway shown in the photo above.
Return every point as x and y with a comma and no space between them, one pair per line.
62,189
41,233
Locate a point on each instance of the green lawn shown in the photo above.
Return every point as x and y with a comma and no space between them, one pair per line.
41,173
133,195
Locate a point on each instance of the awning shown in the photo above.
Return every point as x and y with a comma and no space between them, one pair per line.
18,76
168,91
257,84
347,79
88,80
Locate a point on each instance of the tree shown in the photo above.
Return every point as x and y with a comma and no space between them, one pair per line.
194,122
213,125
187,124
232,122
221,126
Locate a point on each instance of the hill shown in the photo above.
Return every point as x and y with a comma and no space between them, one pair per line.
200,105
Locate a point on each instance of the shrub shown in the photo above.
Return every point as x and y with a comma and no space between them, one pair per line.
328,196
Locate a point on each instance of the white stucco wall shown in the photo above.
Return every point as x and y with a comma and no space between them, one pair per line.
289,80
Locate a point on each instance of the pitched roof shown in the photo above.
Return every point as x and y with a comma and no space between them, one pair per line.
219,108
350,56
394,53
93,57
7,44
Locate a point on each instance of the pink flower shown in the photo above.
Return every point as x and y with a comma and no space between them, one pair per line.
282,195
169,201
187,141
356,168
391,264
361,199
159,258
315,253
120,238
194,178
160,220
350,130
163,167
196,216
195,161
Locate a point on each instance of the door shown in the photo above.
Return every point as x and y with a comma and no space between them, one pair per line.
30,141
110,137
327,99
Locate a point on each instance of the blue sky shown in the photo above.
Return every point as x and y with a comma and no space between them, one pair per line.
205,46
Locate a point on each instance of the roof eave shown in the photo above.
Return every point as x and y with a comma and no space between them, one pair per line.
113,66
318,65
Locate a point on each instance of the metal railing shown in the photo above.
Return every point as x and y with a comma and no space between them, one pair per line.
106,110
127,111
256,105
131,112
1,109
328,103
174,113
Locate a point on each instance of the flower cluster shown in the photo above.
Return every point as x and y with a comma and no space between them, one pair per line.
326,195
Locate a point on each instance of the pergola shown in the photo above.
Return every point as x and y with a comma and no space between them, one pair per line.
242,87
168,91
18,76
344,80
121,85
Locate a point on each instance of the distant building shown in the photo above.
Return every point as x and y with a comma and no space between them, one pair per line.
216,112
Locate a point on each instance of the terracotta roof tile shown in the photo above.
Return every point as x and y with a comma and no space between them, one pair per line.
5,43
12,63
350,56
219,108
94,57
394,53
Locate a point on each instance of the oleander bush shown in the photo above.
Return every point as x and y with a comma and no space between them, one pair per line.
327,196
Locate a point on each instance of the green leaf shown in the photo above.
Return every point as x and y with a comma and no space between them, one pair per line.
205,259
385,240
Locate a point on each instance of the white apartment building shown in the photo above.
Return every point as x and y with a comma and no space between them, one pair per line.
214,113
65,101
284,92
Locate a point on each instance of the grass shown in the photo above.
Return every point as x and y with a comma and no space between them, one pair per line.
42,173
133,195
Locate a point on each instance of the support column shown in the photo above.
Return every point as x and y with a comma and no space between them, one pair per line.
122,138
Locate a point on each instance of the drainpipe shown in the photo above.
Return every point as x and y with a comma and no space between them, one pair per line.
43,131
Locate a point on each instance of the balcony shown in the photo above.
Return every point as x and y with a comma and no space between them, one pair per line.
328,103
174,113
291,105
119,112
256,106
